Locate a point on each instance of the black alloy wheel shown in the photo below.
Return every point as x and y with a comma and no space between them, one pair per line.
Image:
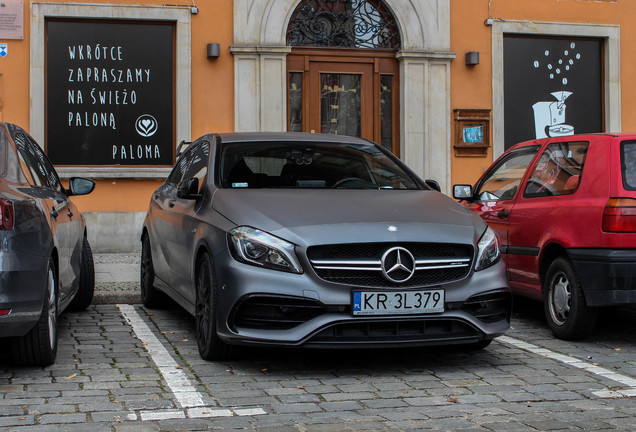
564,305
151,297
84,295
39,346
211,347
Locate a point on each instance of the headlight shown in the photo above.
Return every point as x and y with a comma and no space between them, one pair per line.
487,250
259,248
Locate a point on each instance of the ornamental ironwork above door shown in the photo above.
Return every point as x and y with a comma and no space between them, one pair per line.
343,24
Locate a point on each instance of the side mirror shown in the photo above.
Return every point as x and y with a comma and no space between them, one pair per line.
189,189
80,186
433,185
462,192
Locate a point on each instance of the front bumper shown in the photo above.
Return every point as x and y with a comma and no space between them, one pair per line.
265,307
607,276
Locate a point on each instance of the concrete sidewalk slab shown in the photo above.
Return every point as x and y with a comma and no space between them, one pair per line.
117,278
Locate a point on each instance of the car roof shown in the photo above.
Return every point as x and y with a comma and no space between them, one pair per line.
577,137
238,137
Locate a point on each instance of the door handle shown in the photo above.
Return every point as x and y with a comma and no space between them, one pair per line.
503,214
54,214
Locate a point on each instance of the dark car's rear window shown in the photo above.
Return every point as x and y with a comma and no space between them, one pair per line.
628,164
311,165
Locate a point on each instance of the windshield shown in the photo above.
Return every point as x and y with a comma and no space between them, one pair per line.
310,165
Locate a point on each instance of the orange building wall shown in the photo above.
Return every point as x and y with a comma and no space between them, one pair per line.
471,86
212,80
212,94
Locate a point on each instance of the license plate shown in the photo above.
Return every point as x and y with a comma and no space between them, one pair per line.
397,302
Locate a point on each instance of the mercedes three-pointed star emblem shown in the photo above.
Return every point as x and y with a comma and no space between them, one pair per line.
398,264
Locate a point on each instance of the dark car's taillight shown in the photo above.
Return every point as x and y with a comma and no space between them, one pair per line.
620,215
6,215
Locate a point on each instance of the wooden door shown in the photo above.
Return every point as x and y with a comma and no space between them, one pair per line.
346,92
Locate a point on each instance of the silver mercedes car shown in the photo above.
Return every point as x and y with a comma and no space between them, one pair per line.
311,240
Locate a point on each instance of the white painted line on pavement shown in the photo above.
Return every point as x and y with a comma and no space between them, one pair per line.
580,364
176,379
162,415
207,412
187,396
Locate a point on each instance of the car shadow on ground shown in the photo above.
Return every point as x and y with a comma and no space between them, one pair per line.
615,323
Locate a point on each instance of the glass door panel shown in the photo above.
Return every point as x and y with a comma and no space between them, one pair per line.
295,102
340,105
341,98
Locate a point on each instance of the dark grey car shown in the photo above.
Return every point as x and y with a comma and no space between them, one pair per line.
292,239
46,263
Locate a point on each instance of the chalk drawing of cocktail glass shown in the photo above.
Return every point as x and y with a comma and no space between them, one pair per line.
549,117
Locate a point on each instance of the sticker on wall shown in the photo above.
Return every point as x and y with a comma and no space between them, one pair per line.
4,50
549,116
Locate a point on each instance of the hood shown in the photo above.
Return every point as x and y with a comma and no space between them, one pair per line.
317,216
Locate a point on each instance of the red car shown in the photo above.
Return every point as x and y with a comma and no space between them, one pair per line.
565,211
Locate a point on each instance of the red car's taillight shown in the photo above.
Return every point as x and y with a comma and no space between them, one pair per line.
5,311
620,215
6,215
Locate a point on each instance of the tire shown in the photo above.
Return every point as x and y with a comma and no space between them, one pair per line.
39,346
564,305
151,297
84,295
211,347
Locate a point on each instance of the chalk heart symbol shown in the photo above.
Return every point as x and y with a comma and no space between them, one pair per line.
147,125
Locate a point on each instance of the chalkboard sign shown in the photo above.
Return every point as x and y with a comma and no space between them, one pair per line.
109,93
552,87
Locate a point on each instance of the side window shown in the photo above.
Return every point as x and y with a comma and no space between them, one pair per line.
558,170
45,165
177,172
31,161
198,166
504,179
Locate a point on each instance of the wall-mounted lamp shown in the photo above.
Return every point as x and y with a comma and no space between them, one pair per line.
472,58
213,50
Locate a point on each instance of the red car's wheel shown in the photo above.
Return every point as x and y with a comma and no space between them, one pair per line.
564,305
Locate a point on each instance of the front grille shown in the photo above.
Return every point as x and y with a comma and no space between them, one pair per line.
395,331
361,264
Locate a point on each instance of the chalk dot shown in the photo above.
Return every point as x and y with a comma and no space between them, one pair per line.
565,81
572,45
560,61
567,68
566,52
551,76
578,56
550,66
558,71
571,62
547,53
536,64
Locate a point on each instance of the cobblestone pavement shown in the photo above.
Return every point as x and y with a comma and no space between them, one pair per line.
126,368
117,278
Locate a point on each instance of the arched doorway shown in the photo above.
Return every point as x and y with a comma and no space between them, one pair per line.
422,121
342,72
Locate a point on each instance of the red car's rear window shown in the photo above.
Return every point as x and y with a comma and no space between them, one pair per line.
628,164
